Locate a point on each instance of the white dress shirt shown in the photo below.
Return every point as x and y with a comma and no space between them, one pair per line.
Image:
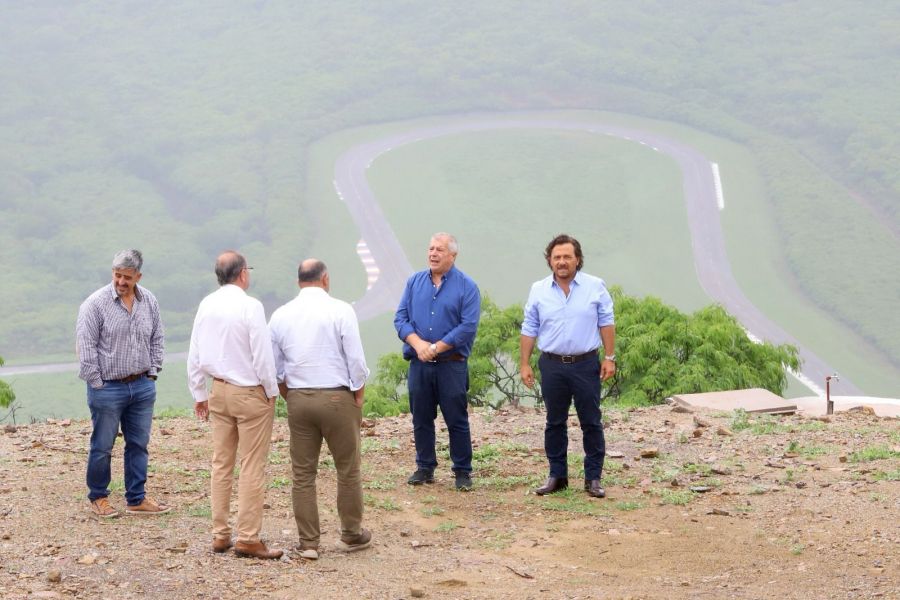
315,340
230,342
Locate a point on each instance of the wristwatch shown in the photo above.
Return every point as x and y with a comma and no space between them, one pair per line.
611,357
433,347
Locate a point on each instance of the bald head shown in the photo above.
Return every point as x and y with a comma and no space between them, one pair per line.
313,273
229,267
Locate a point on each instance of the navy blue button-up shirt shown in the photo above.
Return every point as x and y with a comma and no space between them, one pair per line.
447,313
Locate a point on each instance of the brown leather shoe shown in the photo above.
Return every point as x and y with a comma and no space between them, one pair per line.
255,550
592,487
221,545
553,484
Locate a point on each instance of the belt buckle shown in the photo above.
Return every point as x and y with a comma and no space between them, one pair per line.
568,359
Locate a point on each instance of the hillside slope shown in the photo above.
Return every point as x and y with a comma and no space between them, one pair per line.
793,508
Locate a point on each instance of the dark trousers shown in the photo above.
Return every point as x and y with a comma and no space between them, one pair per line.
444,385
560,384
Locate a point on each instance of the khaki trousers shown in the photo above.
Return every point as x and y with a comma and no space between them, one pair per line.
314,414
241,421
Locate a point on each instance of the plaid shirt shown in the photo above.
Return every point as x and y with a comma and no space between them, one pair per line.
113,343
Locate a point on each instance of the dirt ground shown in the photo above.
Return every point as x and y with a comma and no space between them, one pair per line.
699,505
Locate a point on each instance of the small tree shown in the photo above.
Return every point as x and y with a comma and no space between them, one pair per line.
662,351
494,364
7,398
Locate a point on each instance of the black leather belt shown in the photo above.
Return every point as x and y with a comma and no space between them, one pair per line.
131,378
455,357
568,359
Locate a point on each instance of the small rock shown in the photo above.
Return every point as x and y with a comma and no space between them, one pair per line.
724,431
5,536
678,408
54,576
842,459
720,470
701,422
700,489
649,452
10,429
675,482
614,454
417,592
165,431
266,505
720,512
697,433
87,559
404,533
800,485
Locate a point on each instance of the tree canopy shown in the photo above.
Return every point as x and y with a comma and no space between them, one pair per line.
660,351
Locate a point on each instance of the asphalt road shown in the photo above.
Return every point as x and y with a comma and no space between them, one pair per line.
699,186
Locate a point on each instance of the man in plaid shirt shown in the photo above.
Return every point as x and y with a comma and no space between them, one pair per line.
119,339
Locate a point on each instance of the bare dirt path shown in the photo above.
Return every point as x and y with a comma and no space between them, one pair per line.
718,506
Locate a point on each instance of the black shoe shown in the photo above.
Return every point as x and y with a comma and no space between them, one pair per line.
553,484
592,487
463,481
421,476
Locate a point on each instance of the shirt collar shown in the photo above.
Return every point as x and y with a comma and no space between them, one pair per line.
137,292
446,275
312,291
576,280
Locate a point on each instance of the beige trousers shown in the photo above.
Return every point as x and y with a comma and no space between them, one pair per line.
314,415
241,421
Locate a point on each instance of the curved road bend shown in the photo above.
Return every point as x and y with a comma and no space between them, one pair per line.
710,259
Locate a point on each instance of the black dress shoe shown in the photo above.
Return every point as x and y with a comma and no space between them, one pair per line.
592,487
554,484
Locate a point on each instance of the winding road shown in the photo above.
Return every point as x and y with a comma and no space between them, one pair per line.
702,194
388,267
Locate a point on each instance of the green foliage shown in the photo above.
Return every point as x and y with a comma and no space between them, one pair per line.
386,395
7,395
663,351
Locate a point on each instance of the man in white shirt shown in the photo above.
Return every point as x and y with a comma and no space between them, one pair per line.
230,344
322,375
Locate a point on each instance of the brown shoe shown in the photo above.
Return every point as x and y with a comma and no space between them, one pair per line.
255,550
102,508
592,487
148,506
221,545
553,484
357,542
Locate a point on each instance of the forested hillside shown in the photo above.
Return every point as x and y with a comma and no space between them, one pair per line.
182,128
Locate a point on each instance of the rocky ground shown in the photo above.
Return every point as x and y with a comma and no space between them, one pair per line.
700,505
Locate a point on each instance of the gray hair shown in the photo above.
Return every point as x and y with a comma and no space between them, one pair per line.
128,259
229,266
452,244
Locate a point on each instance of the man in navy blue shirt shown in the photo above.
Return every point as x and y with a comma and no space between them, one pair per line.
570,315
437,320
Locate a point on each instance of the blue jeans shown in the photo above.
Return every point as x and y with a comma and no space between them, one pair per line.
444,385
560,384
131,406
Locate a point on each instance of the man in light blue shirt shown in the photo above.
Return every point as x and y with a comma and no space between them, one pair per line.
570,315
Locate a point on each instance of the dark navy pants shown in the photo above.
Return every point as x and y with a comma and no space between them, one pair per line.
444,385
560,384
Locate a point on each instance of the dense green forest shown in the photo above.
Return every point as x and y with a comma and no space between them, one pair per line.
183,129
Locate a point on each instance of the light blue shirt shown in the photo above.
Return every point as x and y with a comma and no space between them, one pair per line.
568,324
